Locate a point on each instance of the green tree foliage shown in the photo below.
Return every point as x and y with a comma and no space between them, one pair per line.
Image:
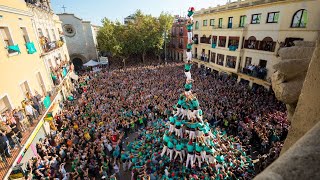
144,34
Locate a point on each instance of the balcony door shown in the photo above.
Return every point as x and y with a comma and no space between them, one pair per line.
230,22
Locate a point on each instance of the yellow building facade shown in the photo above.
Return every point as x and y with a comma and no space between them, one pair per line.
245,35
21,68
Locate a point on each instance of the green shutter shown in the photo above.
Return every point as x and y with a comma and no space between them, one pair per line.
304,19
276,17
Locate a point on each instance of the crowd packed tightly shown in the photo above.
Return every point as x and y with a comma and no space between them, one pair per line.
88,140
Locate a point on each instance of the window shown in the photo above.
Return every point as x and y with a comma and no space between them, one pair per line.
25,34
230,22
6,36
231,61
54,35
205,22
69,30
220,23
222,41
41,83
300,19
243,20
273,17
220,58
256,19
197,25
213,57
248,61
25,89
40,32
263,63
211,22
48,35
4,104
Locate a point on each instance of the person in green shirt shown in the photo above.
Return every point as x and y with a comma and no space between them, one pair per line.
170,149
178,150
172,121
189,29
187,66
192,131
188,52
198,148
178,128
190,156
166,139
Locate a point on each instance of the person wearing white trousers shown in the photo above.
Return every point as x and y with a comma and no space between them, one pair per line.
190,155
170,149
199,149
178,151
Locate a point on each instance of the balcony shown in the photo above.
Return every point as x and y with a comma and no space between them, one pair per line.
267,44
44,5
29,134
222,41
255,71
58,73
50,46
205,40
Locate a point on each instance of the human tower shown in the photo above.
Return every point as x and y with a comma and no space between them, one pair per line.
188,136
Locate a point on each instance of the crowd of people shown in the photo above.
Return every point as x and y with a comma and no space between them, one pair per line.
15,122
89,132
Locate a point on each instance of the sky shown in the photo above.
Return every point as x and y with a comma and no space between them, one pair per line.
95,10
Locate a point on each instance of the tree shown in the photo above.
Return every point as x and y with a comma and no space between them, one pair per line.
144,34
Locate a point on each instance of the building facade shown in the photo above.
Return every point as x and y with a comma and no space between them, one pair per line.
33,60
243,38
178,40
22,70
80,34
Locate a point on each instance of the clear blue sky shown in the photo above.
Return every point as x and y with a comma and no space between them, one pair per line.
95,10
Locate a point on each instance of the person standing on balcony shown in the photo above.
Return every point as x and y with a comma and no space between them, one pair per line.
30,112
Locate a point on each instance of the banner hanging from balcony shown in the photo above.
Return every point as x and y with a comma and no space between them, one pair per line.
64,71
14,48
47,102
30,47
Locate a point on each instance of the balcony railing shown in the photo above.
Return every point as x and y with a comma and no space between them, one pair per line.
58,73
50,46
233,48
260,45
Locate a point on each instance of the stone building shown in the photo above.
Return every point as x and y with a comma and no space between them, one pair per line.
80,37
243,38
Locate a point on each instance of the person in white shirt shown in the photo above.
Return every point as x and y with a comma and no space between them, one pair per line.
29,112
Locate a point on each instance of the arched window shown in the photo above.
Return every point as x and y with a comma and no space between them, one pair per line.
299,19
